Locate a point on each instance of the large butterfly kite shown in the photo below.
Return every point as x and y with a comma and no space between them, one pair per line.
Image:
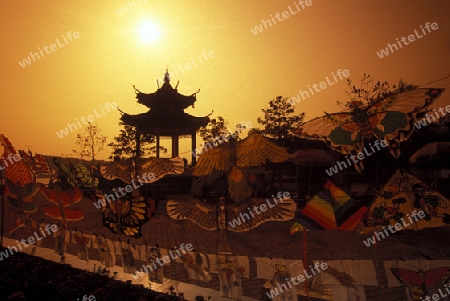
418,282
389,119
128,214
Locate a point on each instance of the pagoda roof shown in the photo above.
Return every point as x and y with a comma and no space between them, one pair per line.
166,116
165,97
155,123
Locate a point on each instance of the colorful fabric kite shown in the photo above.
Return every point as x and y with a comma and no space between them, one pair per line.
401,200
37,163
149,169
330,209
62,200
235,216
389,119
20,185
127,215
77,175
421,278
255,150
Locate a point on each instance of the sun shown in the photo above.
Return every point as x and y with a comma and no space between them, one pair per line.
149,32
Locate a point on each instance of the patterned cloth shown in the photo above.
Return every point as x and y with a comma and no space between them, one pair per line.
82,243
420,277
196,264
230,269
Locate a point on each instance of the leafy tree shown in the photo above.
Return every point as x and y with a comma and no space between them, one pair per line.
370,90
125,143
278,121
90,143
215,127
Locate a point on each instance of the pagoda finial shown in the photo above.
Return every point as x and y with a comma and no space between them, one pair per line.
166,76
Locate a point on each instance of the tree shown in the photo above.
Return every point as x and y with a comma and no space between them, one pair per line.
370,91
217,131
91,143
125,143
215,127
278,122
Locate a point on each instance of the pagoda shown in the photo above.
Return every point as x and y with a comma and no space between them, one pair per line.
166,117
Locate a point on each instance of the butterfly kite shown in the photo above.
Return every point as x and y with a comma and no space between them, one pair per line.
156,167
389,119
61,200
127,214
77,175
20,185
418,281
37,163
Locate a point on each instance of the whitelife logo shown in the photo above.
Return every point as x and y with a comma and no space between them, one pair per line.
124,9
284,15
398,226
162,261
35,56
90,118
300,278
411,38
426,121
225,137
435,297
31,240
147,177
201,58
334,169
322,85
16,158
263,207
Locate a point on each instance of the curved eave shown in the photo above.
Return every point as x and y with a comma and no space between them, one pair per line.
165,124
166,96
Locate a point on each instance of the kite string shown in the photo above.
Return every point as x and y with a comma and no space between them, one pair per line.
435,81
377,262
305,262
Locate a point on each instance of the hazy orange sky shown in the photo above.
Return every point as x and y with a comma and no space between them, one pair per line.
246,72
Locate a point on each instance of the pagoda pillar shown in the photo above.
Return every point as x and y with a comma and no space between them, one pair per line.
157,145
157,142
175,148
194,148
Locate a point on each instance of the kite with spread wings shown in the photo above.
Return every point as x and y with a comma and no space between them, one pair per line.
128,214
231,216
255,150
158,167
208,216
389,119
